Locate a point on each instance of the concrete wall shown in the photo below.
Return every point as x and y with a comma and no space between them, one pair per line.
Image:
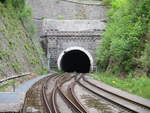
59,9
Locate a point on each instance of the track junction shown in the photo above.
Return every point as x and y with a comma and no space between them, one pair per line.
77,93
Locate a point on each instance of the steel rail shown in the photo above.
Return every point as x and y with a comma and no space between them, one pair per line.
75,99
54,93
73,95
75,107
70,102
116,96
45,99
47,102
49,75
51,104
102,96
132,101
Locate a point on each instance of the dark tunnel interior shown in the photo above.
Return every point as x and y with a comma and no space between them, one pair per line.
75,61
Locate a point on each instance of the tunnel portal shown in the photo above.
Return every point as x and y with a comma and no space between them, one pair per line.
75,61
59,36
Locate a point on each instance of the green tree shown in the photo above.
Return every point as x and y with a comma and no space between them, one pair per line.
124,41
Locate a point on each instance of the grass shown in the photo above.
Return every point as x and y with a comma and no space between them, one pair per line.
41,71
6,84
136,85
57,71
16,45
61,17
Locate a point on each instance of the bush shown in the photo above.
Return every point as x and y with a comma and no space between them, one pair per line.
145,59
22,10
123,41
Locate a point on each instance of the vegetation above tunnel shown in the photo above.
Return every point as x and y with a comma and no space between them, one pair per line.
125,46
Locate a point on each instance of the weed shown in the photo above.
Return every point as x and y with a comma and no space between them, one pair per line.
41,71
58,71
61,17
4,54
16,67
139,85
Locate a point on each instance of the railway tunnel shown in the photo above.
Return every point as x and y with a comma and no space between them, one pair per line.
75,60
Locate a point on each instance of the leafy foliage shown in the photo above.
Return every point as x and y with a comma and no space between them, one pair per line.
19,6
4,54
124,40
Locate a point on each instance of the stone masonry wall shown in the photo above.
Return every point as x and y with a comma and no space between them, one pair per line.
61,40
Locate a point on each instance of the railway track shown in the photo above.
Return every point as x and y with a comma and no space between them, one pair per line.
63,94
129,104
57,93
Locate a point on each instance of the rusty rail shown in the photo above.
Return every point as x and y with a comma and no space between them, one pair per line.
139,107
51,105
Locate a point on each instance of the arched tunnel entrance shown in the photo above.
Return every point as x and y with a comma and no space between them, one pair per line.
75,61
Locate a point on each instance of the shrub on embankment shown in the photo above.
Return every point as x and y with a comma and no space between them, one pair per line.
125,47
136,85
17,51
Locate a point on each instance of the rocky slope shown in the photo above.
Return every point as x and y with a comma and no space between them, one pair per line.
17,50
